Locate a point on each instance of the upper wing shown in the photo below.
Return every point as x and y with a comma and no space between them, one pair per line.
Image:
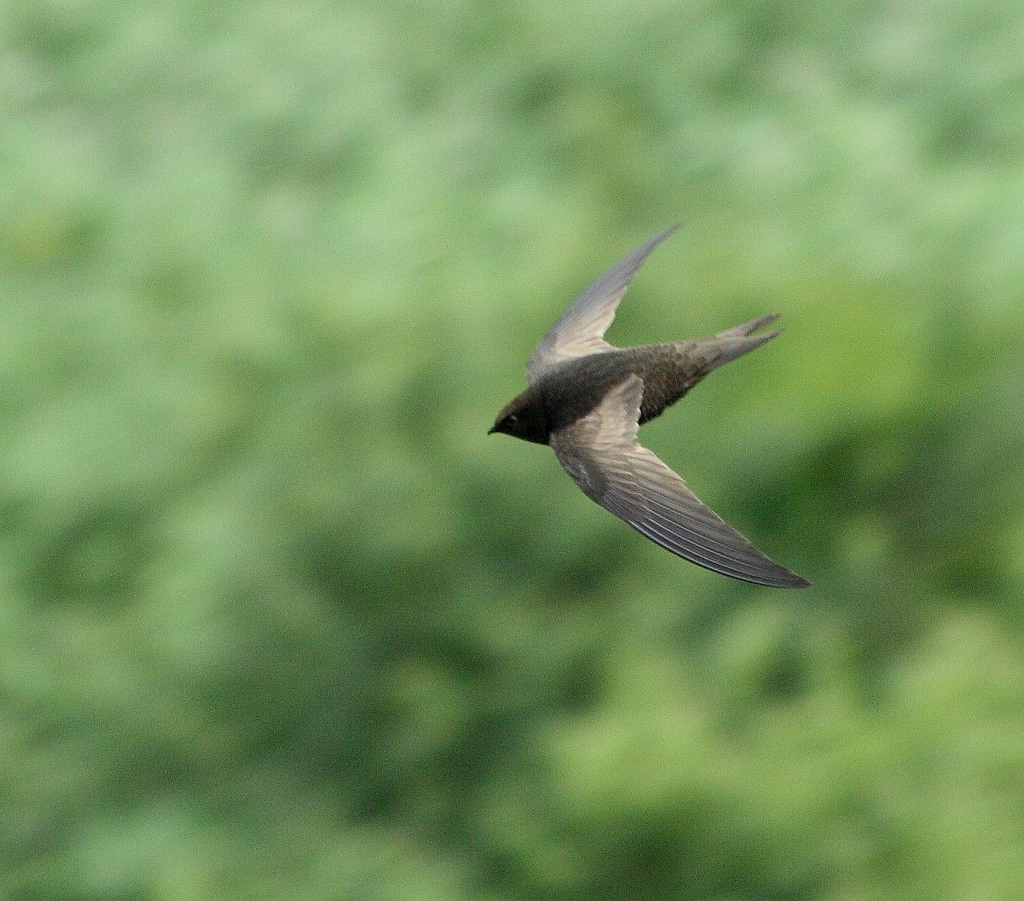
581,329
602,454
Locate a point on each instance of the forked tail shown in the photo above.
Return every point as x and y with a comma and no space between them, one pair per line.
740,339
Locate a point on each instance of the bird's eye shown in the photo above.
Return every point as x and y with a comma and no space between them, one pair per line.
512,419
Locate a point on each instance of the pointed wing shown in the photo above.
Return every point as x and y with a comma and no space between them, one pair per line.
602,454
581,329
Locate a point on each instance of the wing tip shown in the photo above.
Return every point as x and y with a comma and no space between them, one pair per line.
780,578
777,577
639,254
791,580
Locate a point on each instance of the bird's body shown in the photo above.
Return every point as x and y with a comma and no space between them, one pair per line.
575,387
586,399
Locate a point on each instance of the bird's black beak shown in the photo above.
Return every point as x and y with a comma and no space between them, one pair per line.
492,430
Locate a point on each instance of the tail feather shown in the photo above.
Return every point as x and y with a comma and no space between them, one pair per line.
747,328
739,340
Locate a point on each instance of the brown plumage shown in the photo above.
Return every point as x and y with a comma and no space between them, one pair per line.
586,399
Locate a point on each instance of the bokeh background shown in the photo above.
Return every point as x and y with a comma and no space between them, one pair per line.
278,621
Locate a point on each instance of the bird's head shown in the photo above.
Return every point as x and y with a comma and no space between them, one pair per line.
524,417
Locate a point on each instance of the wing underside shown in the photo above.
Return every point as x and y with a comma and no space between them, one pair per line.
581,329
602,454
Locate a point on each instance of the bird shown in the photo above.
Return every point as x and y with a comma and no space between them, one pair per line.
586,399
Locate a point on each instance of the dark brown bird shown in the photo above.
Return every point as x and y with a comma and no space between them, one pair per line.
587,399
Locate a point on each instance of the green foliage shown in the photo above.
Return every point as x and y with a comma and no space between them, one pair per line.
279,622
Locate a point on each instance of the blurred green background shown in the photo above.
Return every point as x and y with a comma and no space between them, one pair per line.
278,621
